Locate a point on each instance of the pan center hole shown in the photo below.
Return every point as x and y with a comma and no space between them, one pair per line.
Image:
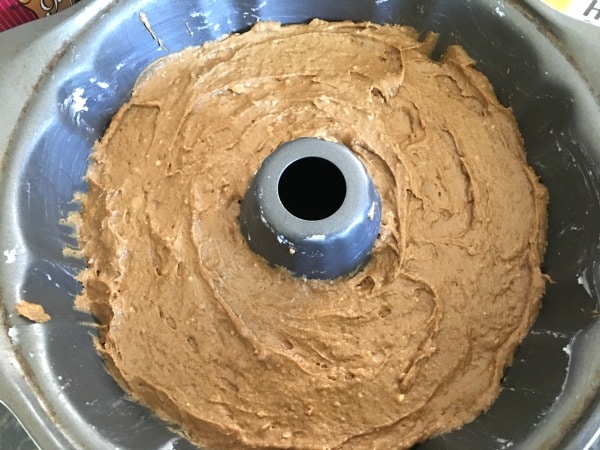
312,188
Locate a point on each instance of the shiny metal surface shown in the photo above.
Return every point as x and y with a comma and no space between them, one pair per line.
60,88
319,225
12,434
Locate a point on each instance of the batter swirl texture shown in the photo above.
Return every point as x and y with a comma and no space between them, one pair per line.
241,354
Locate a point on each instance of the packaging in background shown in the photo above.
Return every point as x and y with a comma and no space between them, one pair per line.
586,10
17,12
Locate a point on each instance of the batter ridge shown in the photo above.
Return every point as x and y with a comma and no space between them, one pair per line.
243,355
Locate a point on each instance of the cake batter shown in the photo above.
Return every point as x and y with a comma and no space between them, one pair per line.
243,355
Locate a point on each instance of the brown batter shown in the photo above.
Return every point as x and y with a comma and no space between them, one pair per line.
32,311
206,333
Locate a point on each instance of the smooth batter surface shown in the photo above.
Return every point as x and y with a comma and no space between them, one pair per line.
242,354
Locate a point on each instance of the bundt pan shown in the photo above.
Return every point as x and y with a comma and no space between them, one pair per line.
62,78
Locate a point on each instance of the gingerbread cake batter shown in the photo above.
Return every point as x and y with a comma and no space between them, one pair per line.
242,354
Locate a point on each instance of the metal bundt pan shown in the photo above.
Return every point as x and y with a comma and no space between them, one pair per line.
62,78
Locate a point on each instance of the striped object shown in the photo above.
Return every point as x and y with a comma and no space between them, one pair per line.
17,12
13,13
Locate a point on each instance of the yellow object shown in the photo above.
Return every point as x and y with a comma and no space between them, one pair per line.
585,10
561,5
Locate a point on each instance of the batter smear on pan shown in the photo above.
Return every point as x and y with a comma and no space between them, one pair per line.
243,355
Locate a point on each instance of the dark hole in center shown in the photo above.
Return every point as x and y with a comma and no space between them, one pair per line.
312,188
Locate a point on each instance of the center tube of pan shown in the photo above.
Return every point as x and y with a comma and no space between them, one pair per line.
313,209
